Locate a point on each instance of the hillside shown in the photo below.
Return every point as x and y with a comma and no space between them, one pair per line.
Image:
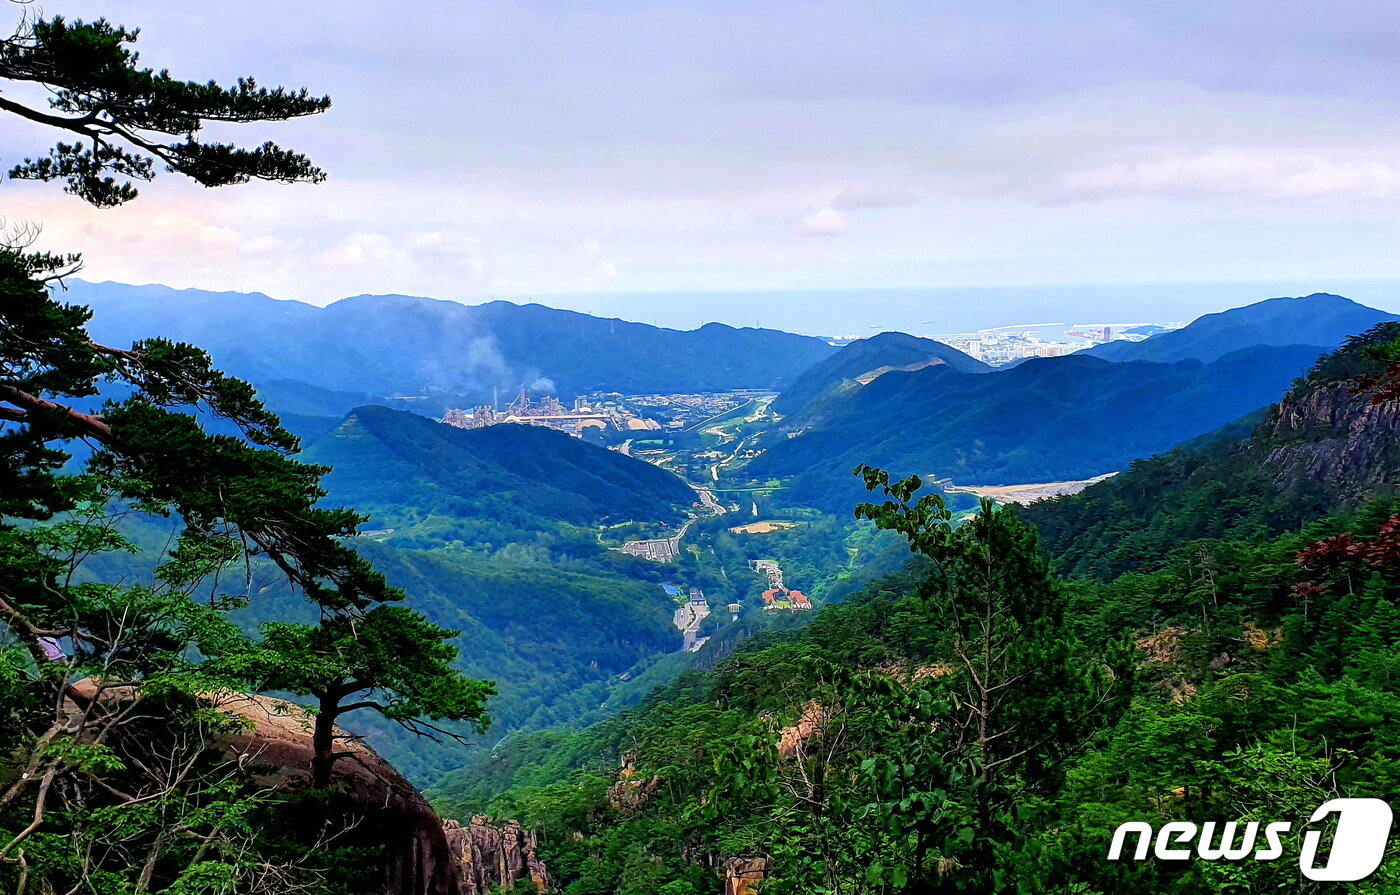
553,626
1325,447
1320,319
372,348
862,358
1046,420
1221,655
398,464
493,532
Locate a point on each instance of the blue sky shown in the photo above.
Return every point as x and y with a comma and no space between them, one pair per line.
604,149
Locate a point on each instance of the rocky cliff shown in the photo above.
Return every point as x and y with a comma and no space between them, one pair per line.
1332,436
387,810
490,858
423,856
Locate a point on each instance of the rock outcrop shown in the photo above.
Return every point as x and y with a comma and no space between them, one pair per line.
1333,437
745,876
489,858
630,792
382,806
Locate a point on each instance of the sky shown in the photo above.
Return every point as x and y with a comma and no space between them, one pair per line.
809,162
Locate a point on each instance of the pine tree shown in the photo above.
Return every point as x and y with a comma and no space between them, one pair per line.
102,797
126,118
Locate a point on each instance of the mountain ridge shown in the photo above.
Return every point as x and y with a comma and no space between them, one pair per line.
1322,318
1323,447
1050,419
377,451
440,353
888,351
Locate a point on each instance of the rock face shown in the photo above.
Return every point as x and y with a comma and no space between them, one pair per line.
488,858
1334,438
390,812
630,792
745,876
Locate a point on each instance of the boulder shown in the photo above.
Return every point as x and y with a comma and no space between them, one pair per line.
388,810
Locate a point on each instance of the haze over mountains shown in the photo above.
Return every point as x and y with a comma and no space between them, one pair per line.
377,349
912,404
1320,319
1052,419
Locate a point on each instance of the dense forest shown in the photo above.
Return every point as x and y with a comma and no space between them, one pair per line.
900,744
208,626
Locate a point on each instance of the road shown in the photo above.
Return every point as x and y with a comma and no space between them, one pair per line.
719,416
708,499
687,619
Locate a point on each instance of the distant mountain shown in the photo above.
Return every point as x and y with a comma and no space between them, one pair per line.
1320,319
1325,446
399,464
430,354
1049,419
865,359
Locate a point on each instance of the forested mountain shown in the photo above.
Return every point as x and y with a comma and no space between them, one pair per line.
1323,448
1045,420
865,359
1249,676
402,465
1320,319
371,348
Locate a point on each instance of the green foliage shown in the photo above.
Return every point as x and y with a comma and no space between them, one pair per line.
116,776
1047,420
405,467
1244,697
1229,488
130,117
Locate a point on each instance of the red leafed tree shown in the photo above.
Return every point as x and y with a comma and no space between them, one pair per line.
1385,385
1347,552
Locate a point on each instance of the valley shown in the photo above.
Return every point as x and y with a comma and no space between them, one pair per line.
597,553
638,478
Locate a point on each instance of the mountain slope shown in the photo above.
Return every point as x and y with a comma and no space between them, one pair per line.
1324,447
494,532
1320,319
1046,420
446,353
398,464
886,351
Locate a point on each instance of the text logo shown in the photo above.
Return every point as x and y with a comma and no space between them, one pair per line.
1363,831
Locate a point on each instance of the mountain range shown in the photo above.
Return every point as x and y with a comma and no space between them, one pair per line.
1320,449
1320,319
426,354
1047,419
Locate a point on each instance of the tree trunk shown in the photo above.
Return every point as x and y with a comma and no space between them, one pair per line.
323,743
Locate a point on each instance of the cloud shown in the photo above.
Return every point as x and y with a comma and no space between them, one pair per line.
412,255
824,222
867,196
1228,171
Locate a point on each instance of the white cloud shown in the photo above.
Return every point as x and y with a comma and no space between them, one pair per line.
414,257
824,222
1229,171
867,196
